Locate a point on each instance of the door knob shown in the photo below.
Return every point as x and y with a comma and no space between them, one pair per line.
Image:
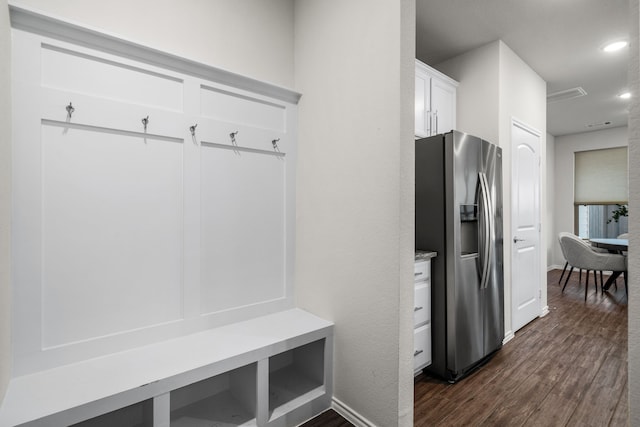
516,240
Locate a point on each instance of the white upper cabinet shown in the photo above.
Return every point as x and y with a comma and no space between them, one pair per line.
435,100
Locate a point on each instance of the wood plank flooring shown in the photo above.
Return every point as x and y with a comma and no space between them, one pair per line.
568,368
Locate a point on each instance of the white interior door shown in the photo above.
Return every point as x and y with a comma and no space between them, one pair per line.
525,222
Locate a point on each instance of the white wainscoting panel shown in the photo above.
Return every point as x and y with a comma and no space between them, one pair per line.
242,109
112,233
243,227
125,236
75,71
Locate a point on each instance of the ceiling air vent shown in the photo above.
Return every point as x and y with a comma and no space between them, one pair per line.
564,95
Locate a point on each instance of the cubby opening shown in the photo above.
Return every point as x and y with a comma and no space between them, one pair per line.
226,400
136,415
295,377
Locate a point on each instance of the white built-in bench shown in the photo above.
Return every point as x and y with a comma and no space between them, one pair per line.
273,370
153,240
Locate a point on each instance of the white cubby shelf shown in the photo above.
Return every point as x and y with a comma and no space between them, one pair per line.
273,370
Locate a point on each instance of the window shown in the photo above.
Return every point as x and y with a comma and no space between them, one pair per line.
601,188
597,221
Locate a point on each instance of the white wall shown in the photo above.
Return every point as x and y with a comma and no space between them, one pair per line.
251,37
565,147
549,213
5,198
477,104
496,86
634,222
355,234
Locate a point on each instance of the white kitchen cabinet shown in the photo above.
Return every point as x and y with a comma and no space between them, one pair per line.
435,101
422,311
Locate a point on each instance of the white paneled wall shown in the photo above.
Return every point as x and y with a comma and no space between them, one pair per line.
150,202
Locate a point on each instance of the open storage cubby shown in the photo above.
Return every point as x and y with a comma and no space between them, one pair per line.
226,400
295,376
136,415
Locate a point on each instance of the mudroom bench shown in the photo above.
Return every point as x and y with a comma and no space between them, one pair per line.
273,370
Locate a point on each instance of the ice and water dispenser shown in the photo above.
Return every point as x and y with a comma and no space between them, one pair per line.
469,230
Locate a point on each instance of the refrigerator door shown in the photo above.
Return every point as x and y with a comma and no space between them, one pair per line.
494,288
465,302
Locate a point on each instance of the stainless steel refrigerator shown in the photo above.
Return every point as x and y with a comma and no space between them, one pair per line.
459,215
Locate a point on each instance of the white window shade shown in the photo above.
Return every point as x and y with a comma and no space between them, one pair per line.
601,176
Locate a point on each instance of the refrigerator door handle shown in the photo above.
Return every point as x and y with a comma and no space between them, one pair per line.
487,222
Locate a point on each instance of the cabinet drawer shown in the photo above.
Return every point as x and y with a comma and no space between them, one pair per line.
422,347
421,270
422,303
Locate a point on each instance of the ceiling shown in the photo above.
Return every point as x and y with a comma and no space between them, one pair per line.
561,40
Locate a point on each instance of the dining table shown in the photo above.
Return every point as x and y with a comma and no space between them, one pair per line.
617,246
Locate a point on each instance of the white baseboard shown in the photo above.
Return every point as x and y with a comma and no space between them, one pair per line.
350,415
508,337
545,311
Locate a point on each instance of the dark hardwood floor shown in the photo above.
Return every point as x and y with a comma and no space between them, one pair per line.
568,368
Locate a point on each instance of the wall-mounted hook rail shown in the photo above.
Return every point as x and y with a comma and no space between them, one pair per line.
192,129
70,110
275,143
145,122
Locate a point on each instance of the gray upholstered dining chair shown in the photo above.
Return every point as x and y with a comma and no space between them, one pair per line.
579,254
566,264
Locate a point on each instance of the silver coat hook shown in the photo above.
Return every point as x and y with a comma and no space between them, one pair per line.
70,109
193,129
275,143
145,122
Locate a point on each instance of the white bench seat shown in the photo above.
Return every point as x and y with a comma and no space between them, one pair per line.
83,390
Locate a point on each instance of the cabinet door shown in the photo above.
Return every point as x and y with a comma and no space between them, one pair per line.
422,347
423,102
421,305
443,106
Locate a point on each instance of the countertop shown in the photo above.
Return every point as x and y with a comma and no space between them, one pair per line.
425,255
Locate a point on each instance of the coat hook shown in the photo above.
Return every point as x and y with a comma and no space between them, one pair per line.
275,143
193,129
232,135
145,122
70,109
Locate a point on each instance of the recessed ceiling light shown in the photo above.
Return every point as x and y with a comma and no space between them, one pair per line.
625,95
612,47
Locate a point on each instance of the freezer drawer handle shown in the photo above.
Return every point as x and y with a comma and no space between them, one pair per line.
417,308
417,352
